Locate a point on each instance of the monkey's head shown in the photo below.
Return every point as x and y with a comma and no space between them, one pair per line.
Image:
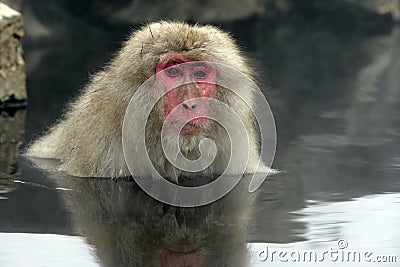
182,83
162,48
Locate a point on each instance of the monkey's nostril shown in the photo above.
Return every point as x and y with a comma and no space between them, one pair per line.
185,106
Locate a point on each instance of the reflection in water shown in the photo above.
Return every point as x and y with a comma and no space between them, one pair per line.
355,219
338,133
373,117
356,153
27,249
12,131
348,233
129,228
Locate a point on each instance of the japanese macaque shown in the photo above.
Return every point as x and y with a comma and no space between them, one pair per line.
88,139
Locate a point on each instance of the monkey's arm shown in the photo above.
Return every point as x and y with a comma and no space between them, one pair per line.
88,140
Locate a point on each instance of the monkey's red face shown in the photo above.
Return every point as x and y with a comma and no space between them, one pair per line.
190,82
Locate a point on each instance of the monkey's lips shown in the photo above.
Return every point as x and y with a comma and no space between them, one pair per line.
191,128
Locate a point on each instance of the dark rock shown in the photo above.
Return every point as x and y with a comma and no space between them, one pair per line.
12,66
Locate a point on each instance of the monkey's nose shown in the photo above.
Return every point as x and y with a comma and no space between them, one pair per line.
188,107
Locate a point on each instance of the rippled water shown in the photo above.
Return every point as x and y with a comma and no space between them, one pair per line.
335,97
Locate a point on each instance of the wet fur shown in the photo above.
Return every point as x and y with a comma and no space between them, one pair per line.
88,139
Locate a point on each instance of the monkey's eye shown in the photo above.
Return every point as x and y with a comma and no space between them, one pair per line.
173,72
200,74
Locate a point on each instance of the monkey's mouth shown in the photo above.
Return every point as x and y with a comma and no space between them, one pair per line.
190,129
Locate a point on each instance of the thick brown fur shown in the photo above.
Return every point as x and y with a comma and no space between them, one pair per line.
88,139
